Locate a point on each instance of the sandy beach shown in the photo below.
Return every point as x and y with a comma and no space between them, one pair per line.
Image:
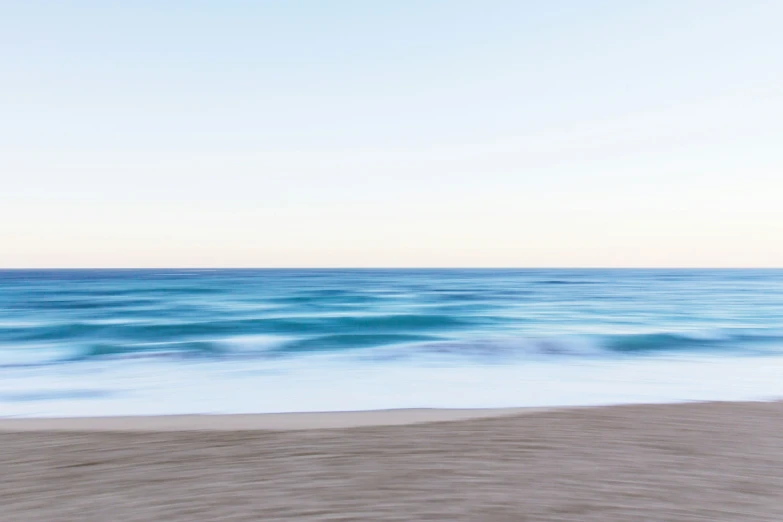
709,461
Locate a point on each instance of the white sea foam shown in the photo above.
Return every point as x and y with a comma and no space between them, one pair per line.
325,383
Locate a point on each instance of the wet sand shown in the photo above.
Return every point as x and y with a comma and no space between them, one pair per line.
267,421
711,462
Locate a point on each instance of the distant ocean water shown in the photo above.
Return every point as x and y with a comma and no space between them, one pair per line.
122,342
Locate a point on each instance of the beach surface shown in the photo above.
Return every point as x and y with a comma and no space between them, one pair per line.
266,421
675,462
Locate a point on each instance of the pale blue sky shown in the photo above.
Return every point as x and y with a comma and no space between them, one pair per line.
404,133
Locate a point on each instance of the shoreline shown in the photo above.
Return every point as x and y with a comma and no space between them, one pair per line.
305,421
260,421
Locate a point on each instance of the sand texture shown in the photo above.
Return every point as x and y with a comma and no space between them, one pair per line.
710,462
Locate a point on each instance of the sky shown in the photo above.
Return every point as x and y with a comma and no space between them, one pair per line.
412,133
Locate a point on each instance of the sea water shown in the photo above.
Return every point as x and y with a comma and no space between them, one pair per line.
127,342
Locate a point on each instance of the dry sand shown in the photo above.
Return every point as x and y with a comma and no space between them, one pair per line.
711,462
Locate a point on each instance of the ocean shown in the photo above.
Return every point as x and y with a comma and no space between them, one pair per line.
132,342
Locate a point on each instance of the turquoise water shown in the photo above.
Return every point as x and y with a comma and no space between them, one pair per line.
78,342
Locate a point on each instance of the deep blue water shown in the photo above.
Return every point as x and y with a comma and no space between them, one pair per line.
106,341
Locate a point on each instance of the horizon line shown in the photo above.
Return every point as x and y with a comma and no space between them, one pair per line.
402,268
